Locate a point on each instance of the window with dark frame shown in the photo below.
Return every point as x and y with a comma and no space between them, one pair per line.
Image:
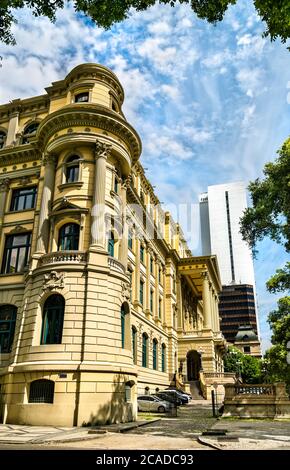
134,344
23,199
52,322
69,237
82,97
7,327
72,169
41,391
155,345
16,253
144,349
29,131
2,139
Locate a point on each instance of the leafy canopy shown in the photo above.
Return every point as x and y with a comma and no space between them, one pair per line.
248,367
105,13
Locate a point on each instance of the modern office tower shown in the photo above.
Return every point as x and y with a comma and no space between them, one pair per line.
94,306
220,211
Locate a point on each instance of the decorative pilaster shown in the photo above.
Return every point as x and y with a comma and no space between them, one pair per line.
49,162
124,240
98,227
206,301
4,188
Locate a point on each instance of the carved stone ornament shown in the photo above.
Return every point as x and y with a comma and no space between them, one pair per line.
53,280
126,291
49,159
4,184
102,149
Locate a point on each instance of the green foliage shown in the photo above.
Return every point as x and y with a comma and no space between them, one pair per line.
249,367
277,368
270,214
280,281
279,321
105,13
270,217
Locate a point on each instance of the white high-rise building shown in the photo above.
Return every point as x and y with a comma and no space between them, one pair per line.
220,211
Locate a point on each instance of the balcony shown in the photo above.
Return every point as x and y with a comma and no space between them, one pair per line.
61,257
116,265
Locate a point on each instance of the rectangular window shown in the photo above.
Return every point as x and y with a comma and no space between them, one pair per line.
142,253
160,276
141,297
23,198
151,265
16,253
130,240
151,301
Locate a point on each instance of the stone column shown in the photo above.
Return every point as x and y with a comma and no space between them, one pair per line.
213,309
124,239
4,188
12,128
216,300
98,228
137,269
206,301
49,162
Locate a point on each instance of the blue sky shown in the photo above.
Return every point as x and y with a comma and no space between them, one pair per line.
211,104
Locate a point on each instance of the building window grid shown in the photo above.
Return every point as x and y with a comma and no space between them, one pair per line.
72,169
7,327
16,253
141,293
151,301
134,344
69,237
23,199
163,358
52,324
144,349
155,358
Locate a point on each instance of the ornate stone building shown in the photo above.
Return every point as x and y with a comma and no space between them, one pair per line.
100,298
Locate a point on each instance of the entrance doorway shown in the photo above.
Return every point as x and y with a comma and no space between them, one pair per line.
193,365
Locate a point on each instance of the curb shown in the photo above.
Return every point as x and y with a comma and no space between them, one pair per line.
208,444
87,437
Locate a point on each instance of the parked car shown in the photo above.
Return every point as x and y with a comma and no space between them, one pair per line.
171,398
152,403
184,398
185,394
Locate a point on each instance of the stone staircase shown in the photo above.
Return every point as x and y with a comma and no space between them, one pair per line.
195,390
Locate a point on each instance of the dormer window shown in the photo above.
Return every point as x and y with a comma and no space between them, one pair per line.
29,131
72,169
82,97
2,139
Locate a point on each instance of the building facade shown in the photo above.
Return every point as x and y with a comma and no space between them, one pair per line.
100,298
237,308
220,211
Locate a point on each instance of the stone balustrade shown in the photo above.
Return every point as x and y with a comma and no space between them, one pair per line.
63,257
116,265
256,401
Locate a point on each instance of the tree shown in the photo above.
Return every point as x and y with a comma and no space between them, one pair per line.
270,217
105,13
247,366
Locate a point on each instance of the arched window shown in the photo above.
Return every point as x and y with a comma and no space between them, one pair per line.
163,358
134,344
155,358
29,131
7,327
69,237
144,350
82,97
111,244
2,139
52,322
41,391
72,169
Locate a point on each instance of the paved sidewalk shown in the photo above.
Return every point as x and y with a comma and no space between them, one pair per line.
250,434
22,434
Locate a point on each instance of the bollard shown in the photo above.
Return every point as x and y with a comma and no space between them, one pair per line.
213,403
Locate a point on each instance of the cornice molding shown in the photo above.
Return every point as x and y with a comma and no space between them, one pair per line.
19,154
89,115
